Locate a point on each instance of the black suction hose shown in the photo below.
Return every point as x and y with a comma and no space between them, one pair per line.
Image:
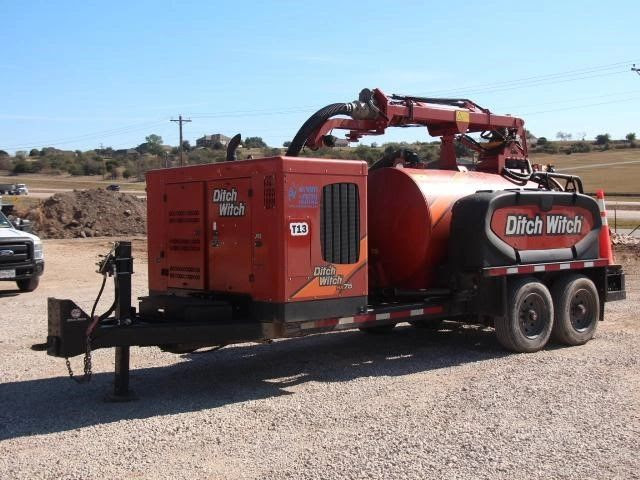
313,123
233,145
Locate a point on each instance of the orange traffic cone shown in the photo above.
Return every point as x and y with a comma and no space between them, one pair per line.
605,238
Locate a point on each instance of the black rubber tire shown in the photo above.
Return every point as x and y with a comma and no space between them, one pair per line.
572,326
529,321
378,329
28,284
426,324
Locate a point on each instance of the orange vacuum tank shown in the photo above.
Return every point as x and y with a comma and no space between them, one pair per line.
409,213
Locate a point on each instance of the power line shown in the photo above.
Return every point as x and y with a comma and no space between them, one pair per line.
541,83
538,80
526,82
180,121
87,136
535,78
567,100
117,130
580,106
256,113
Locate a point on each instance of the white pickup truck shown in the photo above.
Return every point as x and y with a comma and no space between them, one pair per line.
13,189
21,256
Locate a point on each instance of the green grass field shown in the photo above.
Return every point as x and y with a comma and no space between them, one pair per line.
609,170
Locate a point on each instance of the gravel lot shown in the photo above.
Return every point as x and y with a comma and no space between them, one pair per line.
412,404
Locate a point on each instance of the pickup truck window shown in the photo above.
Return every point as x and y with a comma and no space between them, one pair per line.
4,223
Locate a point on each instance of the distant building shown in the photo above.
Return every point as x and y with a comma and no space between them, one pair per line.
210,140
126,152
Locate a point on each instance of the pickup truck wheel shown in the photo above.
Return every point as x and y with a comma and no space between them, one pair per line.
529,320
28,284
378,329
577,310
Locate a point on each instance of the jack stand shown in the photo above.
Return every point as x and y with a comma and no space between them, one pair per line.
123,270
121,392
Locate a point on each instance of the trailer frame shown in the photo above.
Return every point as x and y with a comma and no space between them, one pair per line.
72,332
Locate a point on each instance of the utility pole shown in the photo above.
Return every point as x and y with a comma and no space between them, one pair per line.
180,121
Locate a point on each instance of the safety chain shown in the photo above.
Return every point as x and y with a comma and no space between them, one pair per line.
105,267
86,377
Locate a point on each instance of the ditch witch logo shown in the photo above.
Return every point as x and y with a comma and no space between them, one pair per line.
328,276
549,225
228,203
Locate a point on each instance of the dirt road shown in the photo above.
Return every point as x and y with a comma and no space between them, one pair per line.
596,165
47,192
411,404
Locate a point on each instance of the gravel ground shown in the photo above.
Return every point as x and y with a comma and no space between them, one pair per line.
412,404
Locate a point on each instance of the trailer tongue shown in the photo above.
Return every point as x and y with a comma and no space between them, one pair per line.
254,250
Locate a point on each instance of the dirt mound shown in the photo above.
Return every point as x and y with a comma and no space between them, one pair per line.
622,239
626,244
88,213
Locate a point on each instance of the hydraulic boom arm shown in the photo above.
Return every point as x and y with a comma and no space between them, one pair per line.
447,118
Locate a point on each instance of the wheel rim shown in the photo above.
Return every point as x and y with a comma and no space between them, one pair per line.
532,315
582,310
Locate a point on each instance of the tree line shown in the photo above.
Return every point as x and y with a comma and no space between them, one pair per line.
152,153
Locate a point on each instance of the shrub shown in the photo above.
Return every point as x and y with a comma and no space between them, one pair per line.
75,169
254,142
580,147
547,148
6,163
37,166
21,166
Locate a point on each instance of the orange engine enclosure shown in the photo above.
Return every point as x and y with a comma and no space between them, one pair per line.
193,248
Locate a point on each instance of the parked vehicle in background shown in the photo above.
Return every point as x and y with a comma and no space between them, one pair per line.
8,188
21,256
113,187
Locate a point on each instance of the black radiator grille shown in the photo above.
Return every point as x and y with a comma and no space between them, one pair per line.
14,252
340,223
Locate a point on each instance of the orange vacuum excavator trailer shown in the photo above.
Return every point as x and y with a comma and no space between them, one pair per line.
253,250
